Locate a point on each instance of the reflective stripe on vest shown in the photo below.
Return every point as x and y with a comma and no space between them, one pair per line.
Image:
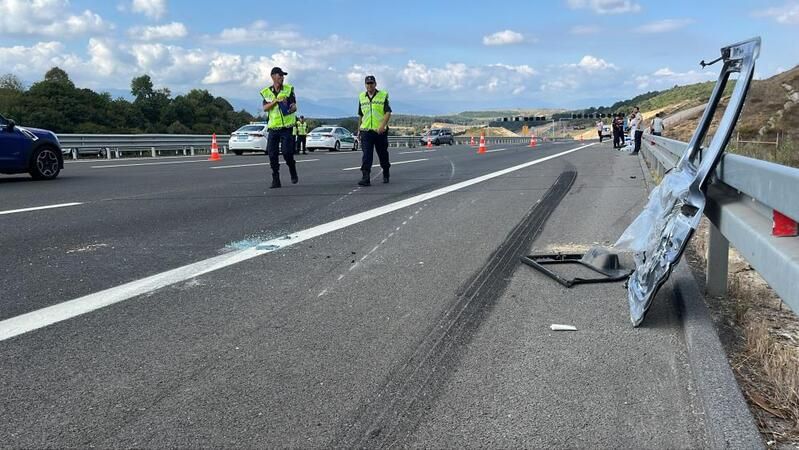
276,117
302,128
373,110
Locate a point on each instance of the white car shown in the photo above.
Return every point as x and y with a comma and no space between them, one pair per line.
249,138
331,137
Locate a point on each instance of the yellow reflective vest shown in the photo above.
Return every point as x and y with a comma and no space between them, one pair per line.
277,117
373,110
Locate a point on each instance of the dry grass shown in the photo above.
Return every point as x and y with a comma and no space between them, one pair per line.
763,345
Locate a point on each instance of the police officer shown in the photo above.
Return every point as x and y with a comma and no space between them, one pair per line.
373,115
301,130
281,104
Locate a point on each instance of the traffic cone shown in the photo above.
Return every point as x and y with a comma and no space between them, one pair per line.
214,150
532,141
471,141
482,148
429,142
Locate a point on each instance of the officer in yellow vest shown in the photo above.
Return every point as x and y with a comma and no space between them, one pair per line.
280,103
300,133
373,115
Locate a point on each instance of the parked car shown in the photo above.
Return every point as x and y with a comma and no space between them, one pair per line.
30,150
331,137
249,138
438,136
607,131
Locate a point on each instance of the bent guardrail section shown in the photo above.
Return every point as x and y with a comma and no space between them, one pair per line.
741,201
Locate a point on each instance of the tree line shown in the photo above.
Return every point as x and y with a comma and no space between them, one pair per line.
56,104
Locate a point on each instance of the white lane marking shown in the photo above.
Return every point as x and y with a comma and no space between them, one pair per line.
143,158
148,164
416,151
258,164
498,150
393,164
38,208
40,318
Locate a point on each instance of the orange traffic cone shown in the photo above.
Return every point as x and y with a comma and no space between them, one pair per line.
482,148
532,141
471,141
429,142
214,150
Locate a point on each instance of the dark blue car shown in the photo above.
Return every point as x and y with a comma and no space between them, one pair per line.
30,150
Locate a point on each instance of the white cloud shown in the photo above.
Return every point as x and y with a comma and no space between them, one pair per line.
154,9
262,34
174,30
50,18
593,64
563,84
505,37
666,78
663,26
585,29
606,6
253,71
787,14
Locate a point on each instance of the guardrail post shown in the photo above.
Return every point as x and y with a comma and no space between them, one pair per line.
74,153
717,255
152,151
224,149
191,149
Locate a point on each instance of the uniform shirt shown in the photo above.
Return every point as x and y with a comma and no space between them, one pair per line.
386,107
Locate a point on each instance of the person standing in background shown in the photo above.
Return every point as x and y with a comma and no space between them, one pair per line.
301,129
637,129
657,125
599,127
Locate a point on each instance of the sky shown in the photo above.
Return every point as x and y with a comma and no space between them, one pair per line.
432,57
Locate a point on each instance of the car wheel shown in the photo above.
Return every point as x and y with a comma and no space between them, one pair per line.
45,164
238,152
337,146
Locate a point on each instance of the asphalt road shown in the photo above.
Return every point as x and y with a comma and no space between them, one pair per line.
324,314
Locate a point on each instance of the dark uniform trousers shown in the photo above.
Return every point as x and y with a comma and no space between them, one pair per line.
300,143
372,141
280,139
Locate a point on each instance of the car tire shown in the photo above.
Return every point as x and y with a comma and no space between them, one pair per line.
336,146
238,152
45,164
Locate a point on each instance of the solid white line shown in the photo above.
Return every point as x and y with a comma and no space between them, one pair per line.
257,164
72,308
148,164
498,150
39,208
393,164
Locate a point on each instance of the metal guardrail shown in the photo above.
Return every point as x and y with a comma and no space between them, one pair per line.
117,145
740,206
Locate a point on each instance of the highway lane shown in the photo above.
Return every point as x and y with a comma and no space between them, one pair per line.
134,221
309,346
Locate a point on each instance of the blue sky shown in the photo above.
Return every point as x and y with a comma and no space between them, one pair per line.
433,57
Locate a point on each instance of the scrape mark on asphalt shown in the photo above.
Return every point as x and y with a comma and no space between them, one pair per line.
413,386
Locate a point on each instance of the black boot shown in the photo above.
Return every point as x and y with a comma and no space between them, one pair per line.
275,181
386,175
293,172
364,178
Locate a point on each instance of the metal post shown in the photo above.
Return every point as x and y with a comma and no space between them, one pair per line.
224,149
191,149
74,153
717,255
108,154
152,151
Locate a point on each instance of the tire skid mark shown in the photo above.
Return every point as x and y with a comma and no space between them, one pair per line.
391,415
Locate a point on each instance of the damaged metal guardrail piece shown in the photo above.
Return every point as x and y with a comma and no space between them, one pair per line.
659,235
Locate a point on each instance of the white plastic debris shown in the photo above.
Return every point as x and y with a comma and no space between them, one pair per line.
558,327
